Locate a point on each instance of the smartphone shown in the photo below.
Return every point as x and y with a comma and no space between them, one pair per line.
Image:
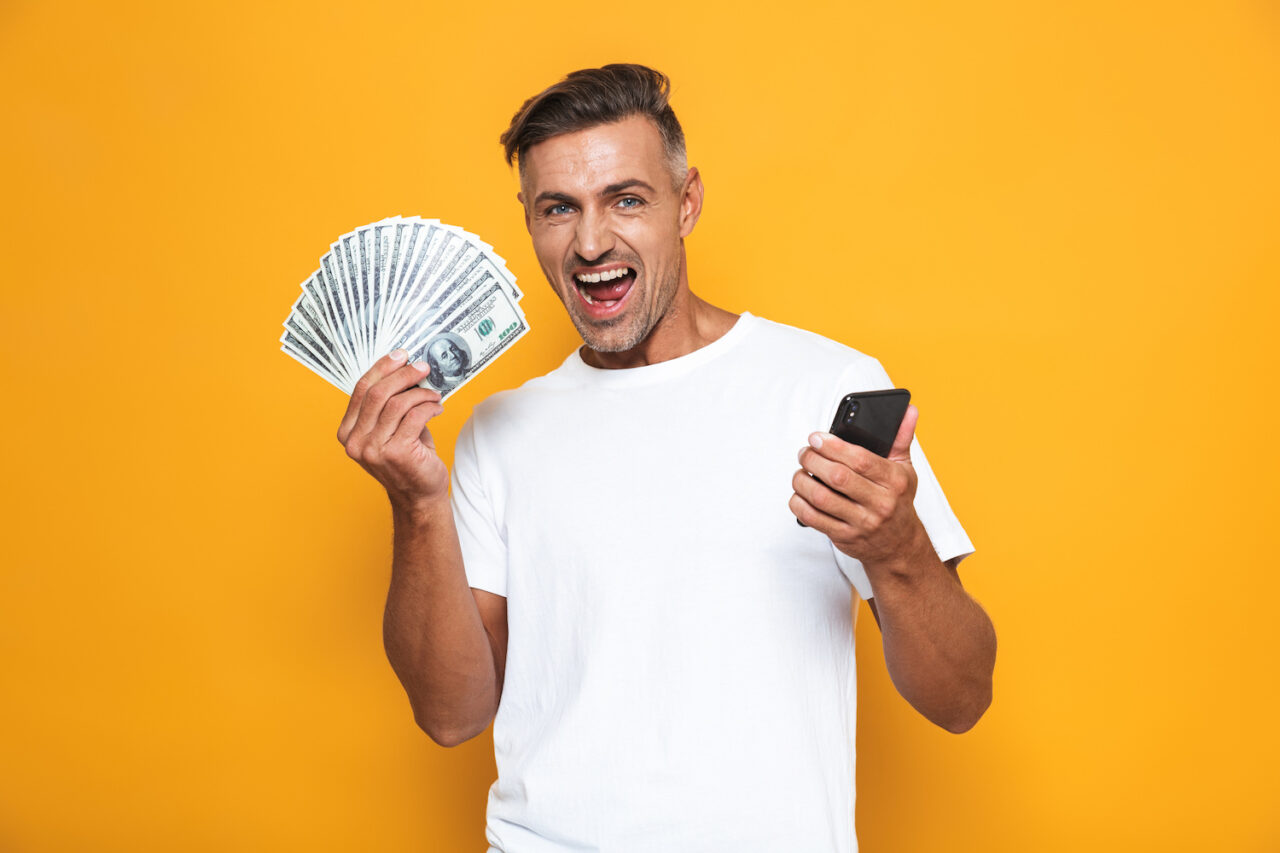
870,419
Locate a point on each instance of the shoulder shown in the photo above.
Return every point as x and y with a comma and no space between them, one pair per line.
769,332
815,354
537,397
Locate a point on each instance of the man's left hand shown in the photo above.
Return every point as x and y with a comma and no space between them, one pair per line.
862,501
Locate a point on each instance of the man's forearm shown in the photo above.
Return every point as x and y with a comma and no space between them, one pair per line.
432,629
939,644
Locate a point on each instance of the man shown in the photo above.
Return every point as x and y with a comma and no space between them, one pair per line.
669,656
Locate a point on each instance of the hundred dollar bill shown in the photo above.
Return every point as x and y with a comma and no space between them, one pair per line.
445,288
462,345
350,261
452,296
426,241
442,252
382,239
498,262
305,310
338,295
302,334
318,289
434,290
403,238
452,257
304,358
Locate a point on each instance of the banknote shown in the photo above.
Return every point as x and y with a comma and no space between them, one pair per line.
467,341
434,289
319,290
305,358
303,335
452,296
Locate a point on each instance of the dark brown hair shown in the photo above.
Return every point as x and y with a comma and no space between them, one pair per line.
592,97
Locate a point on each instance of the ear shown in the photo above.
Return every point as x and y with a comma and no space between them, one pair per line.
690,202
520,198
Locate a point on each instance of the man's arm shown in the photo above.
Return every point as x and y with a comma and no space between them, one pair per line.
940,650
939,644
446,642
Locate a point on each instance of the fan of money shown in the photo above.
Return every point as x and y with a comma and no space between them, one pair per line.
433,290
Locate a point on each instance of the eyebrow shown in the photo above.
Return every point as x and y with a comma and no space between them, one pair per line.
611,189
552,196
614,189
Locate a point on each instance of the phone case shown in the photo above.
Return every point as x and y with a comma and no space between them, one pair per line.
871,419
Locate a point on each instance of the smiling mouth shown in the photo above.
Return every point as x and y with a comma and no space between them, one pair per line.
606,288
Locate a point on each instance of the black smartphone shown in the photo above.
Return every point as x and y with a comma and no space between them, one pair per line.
871,419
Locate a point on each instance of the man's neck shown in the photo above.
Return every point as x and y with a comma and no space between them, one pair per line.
689,324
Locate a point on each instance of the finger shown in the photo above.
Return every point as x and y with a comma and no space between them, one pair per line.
825,500
901,450
852,478
394,411
380,368
811,516
375,399
414,422
859,460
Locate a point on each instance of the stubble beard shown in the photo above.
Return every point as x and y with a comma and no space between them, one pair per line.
629,330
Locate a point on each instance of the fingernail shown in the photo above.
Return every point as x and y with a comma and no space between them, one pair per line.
398,355
800,455
815,440
421,365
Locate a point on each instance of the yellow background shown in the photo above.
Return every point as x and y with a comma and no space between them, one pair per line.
1055,223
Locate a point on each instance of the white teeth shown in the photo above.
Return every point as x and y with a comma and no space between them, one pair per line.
597,277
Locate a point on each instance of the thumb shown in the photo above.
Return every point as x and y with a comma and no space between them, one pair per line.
901,450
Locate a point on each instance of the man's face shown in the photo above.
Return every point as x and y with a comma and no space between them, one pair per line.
447,356
607,226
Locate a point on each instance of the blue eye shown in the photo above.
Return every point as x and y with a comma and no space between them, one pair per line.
630,203
559,209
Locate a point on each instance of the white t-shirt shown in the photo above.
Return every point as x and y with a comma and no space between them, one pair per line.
680,662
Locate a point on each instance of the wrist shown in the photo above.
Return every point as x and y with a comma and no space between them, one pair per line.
914,562
413,512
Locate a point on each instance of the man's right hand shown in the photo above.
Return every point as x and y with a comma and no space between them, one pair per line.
385,430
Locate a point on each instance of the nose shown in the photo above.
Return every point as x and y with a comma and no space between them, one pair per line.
593,238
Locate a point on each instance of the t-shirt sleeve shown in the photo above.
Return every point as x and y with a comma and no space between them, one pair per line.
484,551
948,537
